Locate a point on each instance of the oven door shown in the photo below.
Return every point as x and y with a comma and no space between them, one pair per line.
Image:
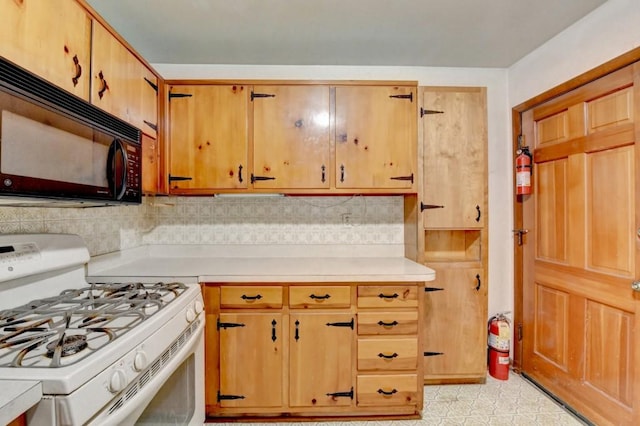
173,395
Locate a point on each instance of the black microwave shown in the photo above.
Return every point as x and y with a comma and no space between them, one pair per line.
56,145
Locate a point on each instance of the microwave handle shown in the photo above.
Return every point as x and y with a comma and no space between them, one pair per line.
117,149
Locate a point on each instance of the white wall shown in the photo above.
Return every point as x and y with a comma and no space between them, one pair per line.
607,32
500,199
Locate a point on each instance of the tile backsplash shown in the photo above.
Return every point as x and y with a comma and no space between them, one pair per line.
220,220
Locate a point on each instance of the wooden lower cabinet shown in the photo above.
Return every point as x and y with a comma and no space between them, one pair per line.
313,350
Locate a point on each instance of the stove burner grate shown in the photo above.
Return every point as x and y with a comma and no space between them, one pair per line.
70,345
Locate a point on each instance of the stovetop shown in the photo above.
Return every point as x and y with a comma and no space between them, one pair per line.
67,328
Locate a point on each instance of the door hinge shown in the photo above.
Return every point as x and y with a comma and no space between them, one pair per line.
519,332
424,112
409,96
152,84
179,178
430,289
349,324
424,206
222,397
348,394
226,325
261,95
433,353
410,177
255,178
151,125
179,95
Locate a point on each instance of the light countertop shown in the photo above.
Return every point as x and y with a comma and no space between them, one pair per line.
16,397
259,264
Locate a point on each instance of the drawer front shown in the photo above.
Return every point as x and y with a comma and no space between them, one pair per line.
250,297
388,296
382,323
319,296
401,389
388,354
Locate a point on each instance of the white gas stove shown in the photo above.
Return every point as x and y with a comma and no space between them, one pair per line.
104,352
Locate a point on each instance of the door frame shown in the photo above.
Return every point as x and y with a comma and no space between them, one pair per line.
516,123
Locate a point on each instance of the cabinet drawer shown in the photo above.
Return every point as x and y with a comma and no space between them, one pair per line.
400,389
388,354
388,296
381,323
250,297
319,296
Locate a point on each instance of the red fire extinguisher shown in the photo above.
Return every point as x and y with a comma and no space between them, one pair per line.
523,171
499,343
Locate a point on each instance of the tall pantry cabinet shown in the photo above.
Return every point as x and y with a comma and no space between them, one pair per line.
453,231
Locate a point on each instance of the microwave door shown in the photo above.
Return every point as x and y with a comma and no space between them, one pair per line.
41,159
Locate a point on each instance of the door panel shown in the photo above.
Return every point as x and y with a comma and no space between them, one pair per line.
552,325
551,183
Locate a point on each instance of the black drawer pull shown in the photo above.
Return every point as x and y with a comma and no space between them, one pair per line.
245,297
389,393
386,296
326,296
388,324
392,356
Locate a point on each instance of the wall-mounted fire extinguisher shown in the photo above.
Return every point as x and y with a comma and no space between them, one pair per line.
499,345
524,165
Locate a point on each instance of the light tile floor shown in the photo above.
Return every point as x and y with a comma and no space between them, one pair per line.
497,402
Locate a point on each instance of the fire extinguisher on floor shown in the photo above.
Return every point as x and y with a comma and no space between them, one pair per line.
499,345
524,165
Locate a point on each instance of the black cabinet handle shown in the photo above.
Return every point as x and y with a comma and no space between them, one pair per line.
297,334
273,330
393,355
479,214
256,297
479,283
388,324
76,77
104,85
386,296
326,296
341,172
323,168
387,393
240,173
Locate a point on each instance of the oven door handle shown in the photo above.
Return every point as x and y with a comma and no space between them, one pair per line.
117,168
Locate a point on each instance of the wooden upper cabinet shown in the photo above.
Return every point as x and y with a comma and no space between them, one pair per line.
121,84
291,137
454,124
376,140
208,137
49,38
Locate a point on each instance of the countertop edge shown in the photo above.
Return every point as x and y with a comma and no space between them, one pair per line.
16,397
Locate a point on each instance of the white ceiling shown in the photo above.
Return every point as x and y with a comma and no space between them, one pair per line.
442,33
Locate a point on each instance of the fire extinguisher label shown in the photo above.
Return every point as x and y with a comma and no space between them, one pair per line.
498,342
503,360
523,179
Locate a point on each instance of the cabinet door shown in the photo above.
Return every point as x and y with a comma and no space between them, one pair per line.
121,83
376,140
455,145
291,136
49,38
208,137
455,333
320,367
250,360
150,165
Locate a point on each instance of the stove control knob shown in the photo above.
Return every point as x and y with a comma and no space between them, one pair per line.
198,307
140,361
118,381
191,314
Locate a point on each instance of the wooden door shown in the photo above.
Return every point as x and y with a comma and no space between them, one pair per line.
454,344
320,367
251,360
376,139
454,132
581,330
49,38
291,147
208,137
